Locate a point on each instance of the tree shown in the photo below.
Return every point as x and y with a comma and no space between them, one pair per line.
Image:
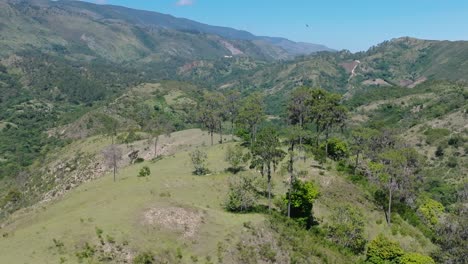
347,228
236,157
112,156
360,141
242,195
267,154
232,108
251,114
326,111
381,250
210,112
398,172
109,127
295,134
302,200
337,148
298,108
199,159
156,127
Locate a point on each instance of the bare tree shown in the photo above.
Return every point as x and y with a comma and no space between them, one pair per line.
112,155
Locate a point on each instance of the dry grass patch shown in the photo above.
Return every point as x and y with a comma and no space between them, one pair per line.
177,219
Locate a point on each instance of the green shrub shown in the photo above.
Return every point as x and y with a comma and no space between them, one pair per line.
337,148
267,252
439,151
381,251
452,162
242,195
347,229
303,195
236,157
144,258
416,258
86,253
199,159
430,211
139,160
435,134
145,171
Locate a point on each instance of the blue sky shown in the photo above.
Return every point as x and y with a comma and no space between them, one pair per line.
346,24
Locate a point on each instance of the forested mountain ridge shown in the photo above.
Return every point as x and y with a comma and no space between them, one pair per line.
83,30
125,128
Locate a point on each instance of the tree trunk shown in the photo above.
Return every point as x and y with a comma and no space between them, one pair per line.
115,165
269,186
326,144
211,133
251,136
291,178
389,215
232,130
156,146
221,133
357,162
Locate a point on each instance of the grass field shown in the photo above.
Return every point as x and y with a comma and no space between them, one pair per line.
119,208
170,210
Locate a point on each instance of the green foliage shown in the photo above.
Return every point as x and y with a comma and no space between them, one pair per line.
13,196
347,229
416,258
146,257
431,211
251,114
439,151
305,245
302,196
435,134
199,161
145,171
381,251
267,252
337,149
242,195
236,157
86,253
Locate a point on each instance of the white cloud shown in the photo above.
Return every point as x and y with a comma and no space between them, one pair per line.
184,2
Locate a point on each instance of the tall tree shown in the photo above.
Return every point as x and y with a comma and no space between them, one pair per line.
398,172
360,140
294,135
210,112
267,154
251,114
298,109
327,112
112,156
232,108
156,127
110,126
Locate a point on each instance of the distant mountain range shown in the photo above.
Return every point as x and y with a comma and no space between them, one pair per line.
123,34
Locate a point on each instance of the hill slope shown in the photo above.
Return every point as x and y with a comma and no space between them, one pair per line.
177,216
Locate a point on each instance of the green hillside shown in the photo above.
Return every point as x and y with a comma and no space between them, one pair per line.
130,136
